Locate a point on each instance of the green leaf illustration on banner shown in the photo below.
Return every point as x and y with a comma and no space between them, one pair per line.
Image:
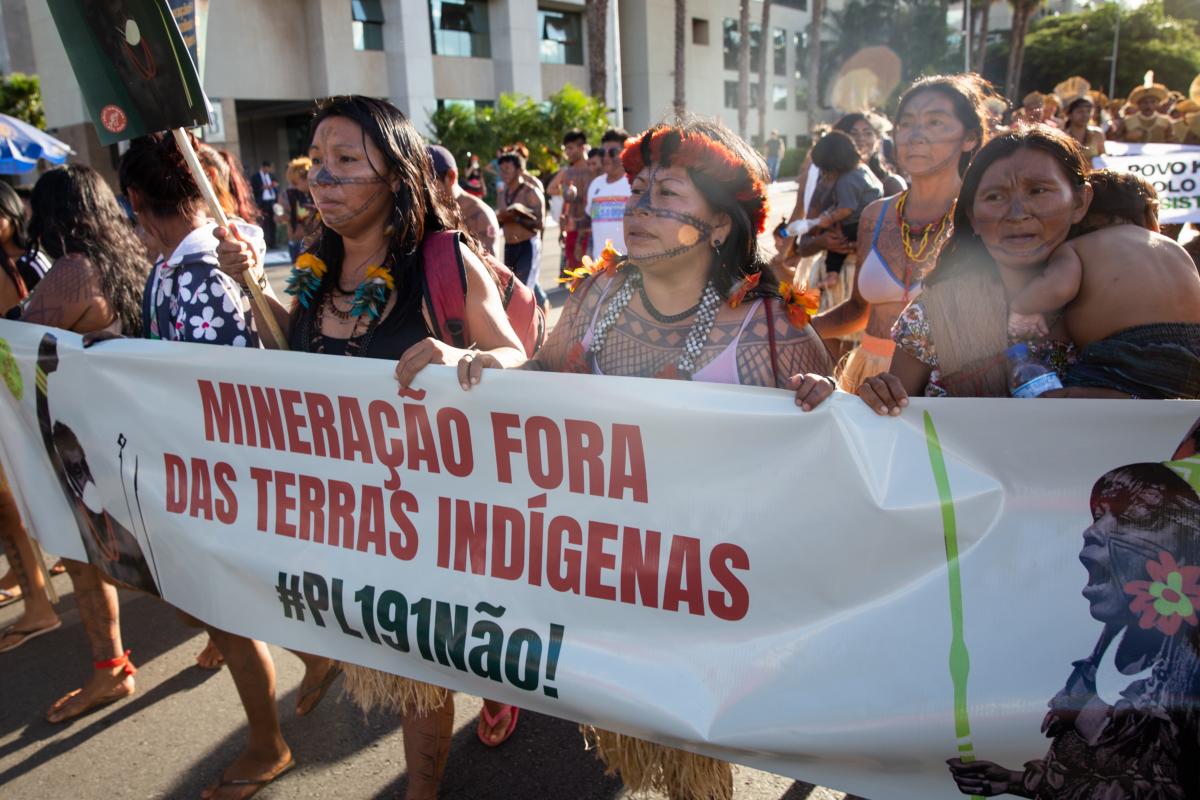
132,66
10,371
960,659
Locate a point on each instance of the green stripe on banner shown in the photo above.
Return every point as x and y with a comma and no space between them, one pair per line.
960,659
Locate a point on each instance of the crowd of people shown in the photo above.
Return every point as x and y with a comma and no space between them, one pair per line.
952,251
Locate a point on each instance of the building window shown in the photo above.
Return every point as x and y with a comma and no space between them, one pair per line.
779,95
802,97
733,40
779,45
802,5
562,36
367,24
699,31
731,88
800,41
460,28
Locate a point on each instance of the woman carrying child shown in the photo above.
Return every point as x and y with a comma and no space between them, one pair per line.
939,127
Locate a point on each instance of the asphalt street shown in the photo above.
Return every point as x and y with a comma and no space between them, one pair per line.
174,736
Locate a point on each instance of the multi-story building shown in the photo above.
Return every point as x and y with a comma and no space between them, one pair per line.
267,59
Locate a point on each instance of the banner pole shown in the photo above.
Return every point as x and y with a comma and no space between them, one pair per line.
265,313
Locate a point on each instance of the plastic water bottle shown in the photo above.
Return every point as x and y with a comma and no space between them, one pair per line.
1028,377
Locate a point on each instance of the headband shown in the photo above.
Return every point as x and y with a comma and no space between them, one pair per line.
668,146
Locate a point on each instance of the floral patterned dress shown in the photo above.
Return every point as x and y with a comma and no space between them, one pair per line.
912,335
189,299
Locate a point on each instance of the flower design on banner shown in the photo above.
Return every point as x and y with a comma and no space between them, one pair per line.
205,325
1169,599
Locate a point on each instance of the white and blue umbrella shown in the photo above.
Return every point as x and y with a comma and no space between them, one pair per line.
21,145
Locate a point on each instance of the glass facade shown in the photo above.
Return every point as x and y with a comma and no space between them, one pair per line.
367,24
460,28
562,37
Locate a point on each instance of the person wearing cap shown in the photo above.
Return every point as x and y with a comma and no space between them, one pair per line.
478,219
1148,126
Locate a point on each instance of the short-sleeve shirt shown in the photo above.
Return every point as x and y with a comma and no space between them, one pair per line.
192,300
857,189
606,206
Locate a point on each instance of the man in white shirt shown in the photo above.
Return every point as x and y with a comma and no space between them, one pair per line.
607,195
266,192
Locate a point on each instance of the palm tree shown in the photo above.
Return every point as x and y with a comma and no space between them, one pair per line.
680,49
597,47
743,93
766,43
985,8
817,8
1023,11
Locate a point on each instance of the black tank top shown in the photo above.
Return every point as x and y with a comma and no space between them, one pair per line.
399,330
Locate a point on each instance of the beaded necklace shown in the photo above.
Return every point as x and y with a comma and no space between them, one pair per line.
697,335
923,252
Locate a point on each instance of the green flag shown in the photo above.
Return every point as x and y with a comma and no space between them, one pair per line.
132,65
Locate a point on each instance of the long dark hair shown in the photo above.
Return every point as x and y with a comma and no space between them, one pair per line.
742,197
155,167
416,209
967,93
13,209
964,249
74,211
878,162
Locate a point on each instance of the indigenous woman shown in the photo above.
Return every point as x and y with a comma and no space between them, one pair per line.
939,126
300,213
685,304
21,265
96,282
867,132
1142,556
1079,127
358,292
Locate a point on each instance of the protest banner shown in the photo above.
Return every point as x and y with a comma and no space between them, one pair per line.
138,77
1173,169
843,598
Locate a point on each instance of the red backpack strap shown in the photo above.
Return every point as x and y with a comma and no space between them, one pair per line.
445,287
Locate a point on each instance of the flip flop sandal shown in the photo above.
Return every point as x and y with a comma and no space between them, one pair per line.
490,721
8,597
319,690
26,634
257,783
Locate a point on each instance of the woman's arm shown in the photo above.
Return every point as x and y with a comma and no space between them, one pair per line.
851,315
63,298
487,323
888,392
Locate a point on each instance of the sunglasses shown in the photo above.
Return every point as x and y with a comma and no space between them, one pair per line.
611,152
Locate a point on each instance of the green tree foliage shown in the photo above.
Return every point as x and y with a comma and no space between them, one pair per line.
1080,44
21,97
517,118
915,29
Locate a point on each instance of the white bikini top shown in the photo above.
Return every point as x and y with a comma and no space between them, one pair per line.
877,283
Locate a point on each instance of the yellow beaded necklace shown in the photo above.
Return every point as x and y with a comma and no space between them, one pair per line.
927,247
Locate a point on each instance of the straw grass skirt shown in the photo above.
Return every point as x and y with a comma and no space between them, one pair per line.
646,766
372,689
858,365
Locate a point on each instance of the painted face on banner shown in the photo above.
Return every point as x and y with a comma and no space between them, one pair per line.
667,216
345,179
1129,528
1024,208
929,137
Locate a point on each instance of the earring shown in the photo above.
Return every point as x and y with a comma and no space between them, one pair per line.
716,246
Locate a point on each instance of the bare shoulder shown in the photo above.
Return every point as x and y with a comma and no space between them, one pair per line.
473,206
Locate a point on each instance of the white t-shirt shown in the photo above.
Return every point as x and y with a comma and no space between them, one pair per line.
606,207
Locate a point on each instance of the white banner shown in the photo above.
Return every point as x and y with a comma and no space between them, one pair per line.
1174,169
842,598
